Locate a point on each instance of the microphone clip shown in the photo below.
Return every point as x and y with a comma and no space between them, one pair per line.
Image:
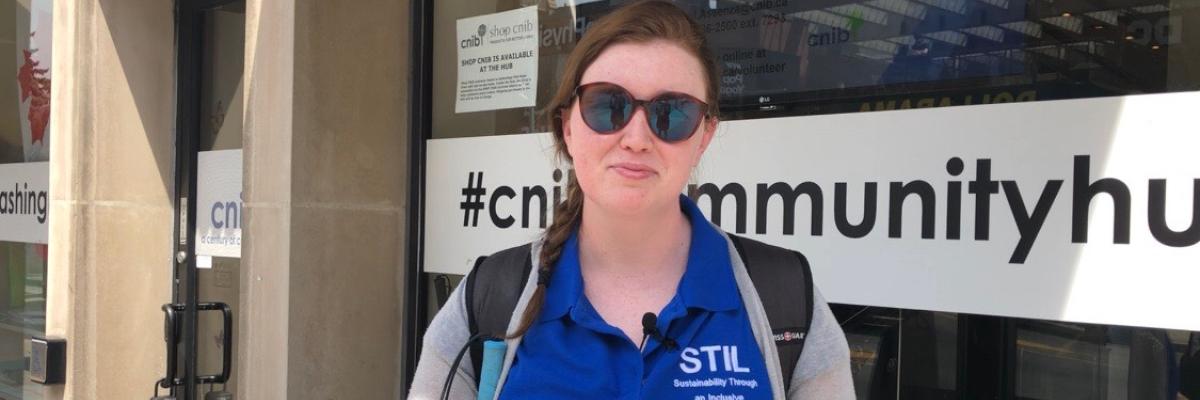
650,329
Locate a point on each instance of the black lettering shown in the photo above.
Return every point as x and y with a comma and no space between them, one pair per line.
557,175
954,166
526,194
1082,195
42,207
27,200
789,195
232,207
899,192
502,191
983,187
1029,224
1158,216
717,195
839,210
212,214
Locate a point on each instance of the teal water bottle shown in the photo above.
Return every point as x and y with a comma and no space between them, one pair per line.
489,374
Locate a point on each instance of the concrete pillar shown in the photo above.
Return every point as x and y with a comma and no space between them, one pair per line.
262,344
325,164
110,262
325,175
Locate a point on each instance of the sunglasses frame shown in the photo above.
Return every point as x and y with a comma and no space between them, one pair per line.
577,95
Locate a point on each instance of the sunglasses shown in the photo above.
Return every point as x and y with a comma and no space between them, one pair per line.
607,107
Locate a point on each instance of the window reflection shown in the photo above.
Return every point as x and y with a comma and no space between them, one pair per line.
795,58
788,57
937,355
26,39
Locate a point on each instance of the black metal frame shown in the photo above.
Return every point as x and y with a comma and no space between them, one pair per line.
189,36
420,129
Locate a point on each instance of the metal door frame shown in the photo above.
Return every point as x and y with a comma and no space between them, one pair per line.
189,35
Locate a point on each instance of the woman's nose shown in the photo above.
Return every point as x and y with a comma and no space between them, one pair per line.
637,135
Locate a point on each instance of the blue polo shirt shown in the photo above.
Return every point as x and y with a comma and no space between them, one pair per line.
572,353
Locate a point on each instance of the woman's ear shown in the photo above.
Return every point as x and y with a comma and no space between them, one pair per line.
564,117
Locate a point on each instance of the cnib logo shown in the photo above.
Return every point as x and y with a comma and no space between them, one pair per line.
475,40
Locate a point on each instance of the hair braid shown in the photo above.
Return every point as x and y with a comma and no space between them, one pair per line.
566,215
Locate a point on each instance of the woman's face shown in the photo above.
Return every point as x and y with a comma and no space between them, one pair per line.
630,170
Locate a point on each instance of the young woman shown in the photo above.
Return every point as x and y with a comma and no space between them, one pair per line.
634,114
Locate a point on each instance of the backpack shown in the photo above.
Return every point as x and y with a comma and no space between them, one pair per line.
496,282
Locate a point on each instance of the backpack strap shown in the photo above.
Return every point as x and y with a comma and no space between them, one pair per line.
492,290
777,273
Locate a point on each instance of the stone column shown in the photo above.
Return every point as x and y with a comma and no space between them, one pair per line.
325,175
111,183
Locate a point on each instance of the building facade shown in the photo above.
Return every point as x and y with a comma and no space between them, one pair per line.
270,199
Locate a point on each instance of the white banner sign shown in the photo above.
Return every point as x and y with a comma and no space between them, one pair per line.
24,202
219,203
1078,210
497,60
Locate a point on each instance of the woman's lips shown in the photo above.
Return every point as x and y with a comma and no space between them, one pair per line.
632,170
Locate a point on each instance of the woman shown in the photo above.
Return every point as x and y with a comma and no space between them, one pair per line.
636,110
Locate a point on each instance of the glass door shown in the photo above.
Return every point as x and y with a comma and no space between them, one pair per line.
200,323
25,32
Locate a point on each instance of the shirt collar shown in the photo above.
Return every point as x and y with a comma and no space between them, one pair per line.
707,281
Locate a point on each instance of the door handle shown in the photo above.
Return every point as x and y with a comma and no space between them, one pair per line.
226,342
171,336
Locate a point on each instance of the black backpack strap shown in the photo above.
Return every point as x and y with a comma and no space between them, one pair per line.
777,273
492,290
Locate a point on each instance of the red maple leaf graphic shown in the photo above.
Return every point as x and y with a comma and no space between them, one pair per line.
42,250
35,85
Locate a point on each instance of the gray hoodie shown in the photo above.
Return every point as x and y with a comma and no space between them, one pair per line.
823,371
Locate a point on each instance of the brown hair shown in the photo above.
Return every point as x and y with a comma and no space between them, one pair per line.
639,22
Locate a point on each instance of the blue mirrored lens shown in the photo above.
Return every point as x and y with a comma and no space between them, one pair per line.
673,119
606,110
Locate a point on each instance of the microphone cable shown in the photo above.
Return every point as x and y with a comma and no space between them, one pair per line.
458,360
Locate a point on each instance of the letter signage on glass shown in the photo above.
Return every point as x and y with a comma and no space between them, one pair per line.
1076,210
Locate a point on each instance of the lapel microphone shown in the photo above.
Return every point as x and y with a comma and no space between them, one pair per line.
650,329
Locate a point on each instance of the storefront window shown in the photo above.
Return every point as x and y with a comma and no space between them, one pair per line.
938,355
26,38
787,58
219,181
795,58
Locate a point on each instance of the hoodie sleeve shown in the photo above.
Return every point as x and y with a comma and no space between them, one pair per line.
446,336
823,371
